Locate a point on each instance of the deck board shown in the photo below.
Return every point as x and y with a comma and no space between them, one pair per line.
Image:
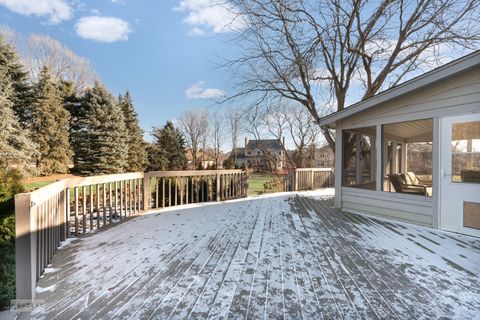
288,256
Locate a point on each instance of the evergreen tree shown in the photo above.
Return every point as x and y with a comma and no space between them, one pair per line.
16,149
100,139
137,155
21,95
49,126
169,149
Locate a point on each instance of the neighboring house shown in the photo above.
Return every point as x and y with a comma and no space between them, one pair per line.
264,154
324,157
239,158
205,160
412,152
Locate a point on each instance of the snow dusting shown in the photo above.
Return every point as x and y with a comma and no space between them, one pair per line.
287,255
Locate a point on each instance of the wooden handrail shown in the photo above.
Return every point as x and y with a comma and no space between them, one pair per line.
70,207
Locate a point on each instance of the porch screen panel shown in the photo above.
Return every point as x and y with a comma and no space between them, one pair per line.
359,158
407,157
466,152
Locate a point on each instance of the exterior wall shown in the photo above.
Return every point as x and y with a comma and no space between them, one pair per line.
401,207
454,96
255,158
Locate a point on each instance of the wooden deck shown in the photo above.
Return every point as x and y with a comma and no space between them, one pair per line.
287,256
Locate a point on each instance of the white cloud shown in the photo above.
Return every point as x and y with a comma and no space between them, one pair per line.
206,16
122,2
102,29
198,91
56,10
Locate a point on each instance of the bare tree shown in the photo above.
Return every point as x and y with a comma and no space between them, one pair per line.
234,120
9,35
217,134
193,124
63,63
275,118
316,52
303,132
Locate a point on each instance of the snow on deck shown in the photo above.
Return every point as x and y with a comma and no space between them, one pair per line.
285,256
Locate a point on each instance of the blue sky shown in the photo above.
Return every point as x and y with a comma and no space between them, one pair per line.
160,50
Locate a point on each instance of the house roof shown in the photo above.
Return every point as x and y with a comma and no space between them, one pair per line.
267,144
441,73
239,154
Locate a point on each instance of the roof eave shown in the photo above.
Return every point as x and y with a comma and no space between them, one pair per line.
429,78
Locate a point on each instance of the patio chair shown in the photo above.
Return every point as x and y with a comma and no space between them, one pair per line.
401,186
412,179
470,175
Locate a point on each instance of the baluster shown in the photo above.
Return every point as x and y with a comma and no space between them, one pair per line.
91,207
121,199
84,208
134,190
67,212
110,202
169,192
97,205
187,179
125,194
104,204
130,196
181,190
163,192
156,192
75,196
175,191
116,200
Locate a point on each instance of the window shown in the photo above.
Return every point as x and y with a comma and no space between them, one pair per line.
466,152
407,157
359,158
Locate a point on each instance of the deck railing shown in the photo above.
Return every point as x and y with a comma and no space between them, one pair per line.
309,179
71,207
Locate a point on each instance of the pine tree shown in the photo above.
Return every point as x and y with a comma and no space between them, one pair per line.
49,126
169,150
137,155
21,96
100,137
16,149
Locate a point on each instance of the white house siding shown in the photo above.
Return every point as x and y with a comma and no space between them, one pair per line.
401,207
457,95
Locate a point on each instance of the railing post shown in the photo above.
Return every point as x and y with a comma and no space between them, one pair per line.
146,192
217,181
25,248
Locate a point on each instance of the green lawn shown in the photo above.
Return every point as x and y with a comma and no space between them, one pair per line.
256,181
36,185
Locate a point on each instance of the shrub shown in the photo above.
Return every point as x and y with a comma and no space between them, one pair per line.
228,164
272,186
7,261
10,184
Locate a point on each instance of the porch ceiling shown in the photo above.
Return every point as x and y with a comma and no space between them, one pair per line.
411,131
